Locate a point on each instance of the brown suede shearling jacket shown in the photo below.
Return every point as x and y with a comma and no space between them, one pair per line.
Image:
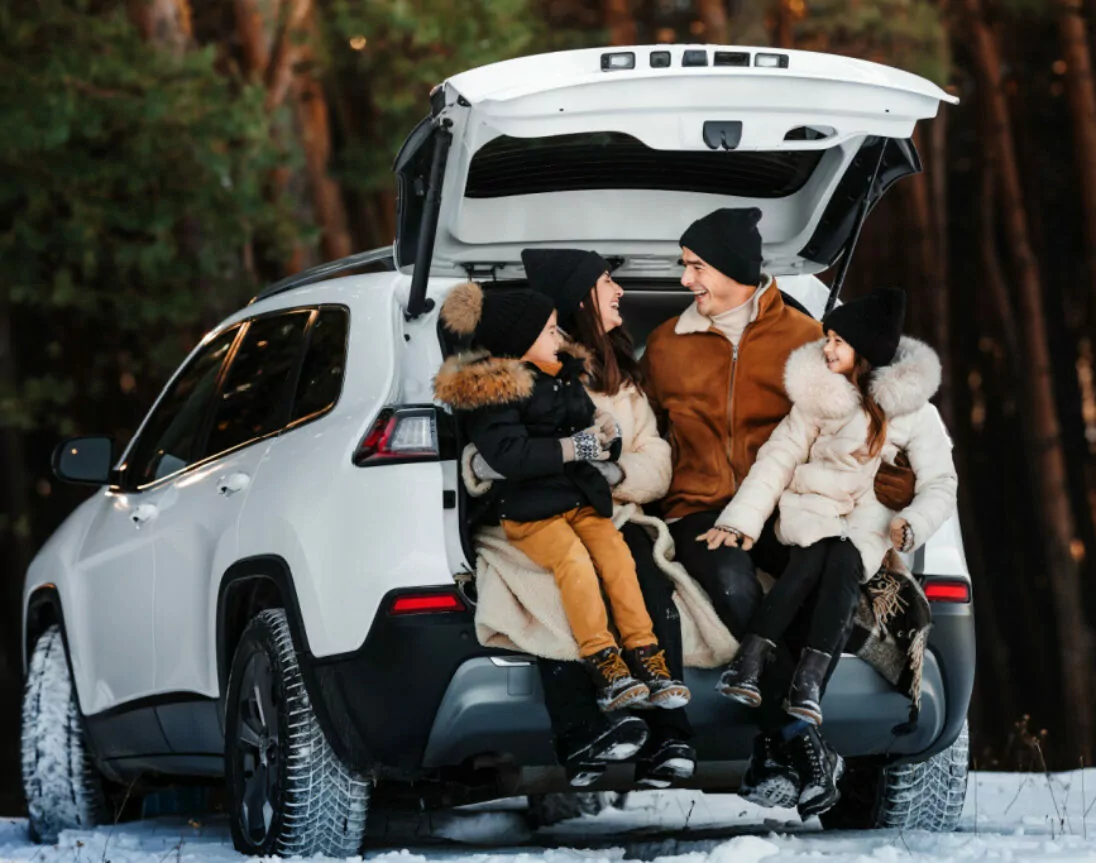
719,404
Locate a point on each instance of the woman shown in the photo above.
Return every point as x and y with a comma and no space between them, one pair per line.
587,301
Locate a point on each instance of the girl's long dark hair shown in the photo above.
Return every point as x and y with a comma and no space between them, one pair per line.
614,364
877,420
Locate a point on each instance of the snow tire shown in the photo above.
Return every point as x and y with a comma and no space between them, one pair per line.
925,796
276,755
62,786
548,809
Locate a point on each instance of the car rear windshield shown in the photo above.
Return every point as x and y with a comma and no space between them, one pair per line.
612,160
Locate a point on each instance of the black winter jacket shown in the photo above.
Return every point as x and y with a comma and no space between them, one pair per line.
515,414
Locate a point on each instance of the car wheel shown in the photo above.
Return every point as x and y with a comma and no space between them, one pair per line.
548,809
63,789
925,796
290,794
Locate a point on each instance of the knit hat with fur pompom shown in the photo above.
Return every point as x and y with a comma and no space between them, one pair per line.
505,321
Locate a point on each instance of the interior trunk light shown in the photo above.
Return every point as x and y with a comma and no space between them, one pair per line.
694,57
771,61
426,603
660,59
400,435
947,591
618,60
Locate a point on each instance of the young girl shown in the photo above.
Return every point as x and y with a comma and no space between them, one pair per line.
522,401
858,397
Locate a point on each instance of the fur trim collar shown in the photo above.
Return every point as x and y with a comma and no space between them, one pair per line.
900,388
814,388
691,321
477,379
909,381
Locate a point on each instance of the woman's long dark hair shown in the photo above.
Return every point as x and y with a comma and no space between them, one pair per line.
614,363
861,377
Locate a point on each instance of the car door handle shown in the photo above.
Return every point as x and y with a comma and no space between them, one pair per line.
234,482
144,513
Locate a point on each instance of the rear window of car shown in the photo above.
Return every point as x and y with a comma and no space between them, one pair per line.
509,166
321,379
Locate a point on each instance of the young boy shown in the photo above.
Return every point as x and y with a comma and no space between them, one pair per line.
523,405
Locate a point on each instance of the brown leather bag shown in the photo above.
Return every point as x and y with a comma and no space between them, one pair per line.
894,483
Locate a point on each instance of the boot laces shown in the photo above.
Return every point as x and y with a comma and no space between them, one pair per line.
613,667
655,663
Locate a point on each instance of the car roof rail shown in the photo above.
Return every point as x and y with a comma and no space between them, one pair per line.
385,255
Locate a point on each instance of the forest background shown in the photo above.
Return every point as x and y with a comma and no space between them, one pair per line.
161,160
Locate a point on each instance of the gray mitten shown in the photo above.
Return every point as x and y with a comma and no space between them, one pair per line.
483,470
613,473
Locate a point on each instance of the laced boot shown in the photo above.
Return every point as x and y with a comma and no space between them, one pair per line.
771,778
742,679
805,694
648,664
591,749
820,769
616,687
670,761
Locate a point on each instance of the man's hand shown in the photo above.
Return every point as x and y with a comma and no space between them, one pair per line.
901,535
718,536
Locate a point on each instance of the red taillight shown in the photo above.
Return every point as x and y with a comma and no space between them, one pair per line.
400,435
426,603
947,591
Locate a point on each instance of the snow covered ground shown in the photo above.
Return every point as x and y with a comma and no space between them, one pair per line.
1008,817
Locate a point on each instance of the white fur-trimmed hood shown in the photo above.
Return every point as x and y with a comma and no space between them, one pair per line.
900,388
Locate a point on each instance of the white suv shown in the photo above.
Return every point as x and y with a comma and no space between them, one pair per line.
270,584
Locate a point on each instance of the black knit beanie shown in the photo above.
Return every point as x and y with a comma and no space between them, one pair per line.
872,325
505,321
565,275
728,240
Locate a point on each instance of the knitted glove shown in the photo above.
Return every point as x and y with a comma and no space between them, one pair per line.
613,473
901,535
583,446
483,470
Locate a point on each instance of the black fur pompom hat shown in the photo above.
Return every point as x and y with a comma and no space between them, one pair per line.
505,321
872,325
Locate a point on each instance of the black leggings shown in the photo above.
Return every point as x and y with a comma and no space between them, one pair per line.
833,568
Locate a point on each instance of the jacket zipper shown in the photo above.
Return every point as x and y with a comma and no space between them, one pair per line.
730,404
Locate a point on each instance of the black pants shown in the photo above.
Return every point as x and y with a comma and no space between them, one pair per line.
730,580
832,568
569,693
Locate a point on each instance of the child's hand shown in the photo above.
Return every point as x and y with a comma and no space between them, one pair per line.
718,536
584,446
608,429
901,535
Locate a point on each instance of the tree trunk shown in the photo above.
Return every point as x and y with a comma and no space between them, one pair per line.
783,35
1000,300
941,289
714,15
620,22
1046,453
1082,102
166,23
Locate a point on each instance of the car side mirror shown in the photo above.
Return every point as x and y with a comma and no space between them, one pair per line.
84,460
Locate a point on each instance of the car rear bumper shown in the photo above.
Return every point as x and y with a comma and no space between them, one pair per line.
422,694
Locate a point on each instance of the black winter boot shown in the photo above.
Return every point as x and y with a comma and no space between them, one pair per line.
616,687
648,664
771,778
616,740
820,769
805,694
742,679
670,761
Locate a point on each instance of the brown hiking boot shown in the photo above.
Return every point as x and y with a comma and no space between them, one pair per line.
616,687
648,664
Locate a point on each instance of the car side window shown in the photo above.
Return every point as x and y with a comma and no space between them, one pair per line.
252,403
171,437
324,365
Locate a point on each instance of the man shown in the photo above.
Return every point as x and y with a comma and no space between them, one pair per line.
715,374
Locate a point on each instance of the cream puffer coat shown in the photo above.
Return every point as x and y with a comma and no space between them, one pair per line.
814,463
